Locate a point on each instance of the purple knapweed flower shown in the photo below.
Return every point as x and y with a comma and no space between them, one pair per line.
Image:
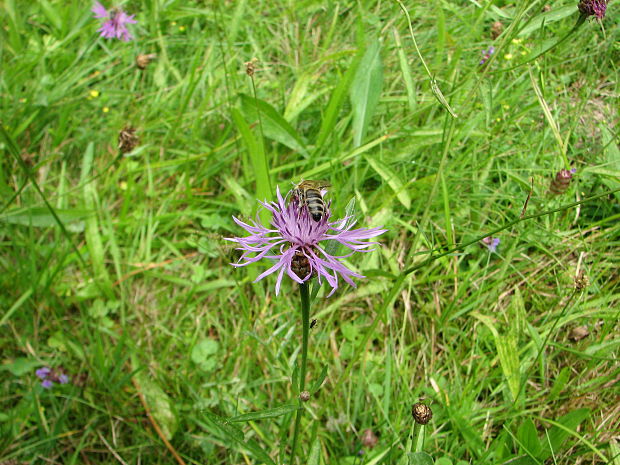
486,54
491,243
593,8
116,22
296,243
50,376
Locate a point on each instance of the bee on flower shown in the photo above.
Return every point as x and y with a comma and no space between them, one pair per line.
296,243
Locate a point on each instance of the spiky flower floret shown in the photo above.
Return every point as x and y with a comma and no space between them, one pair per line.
296,243
593,8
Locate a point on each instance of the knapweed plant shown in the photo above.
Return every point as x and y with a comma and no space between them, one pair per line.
297,244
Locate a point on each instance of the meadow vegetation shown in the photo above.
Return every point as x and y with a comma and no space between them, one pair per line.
119,180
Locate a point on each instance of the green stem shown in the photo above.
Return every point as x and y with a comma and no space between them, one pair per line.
305,320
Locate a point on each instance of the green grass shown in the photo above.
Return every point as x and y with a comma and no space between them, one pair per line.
114,266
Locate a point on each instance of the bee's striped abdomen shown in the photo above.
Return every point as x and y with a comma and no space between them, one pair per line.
316,206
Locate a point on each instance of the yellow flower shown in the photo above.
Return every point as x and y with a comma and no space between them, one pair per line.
505,106
517,41
181,28
93,94
508,56
105,109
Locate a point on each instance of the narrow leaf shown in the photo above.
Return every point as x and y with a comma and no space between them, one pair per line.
314,458
528,438
392,179
94,242
258,159
267,413
158,403
274,125
235,434
365,91
336,101
509,360
317,382
558,435
40,217
419,458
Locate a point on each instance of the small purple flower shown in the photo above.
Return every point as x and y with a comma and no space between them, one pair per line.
43,372
49,376
116,22
593,8
491,243
296,243
486,54
47,383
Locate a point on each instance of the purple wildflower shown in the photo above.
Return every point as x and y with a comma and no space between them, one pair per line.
49,376
47,383
486,54
43,372
491,243
294,243
593,8
116,22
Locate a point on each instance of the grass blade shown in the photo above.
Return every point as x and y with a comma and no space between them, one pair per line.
260,167
274,125
365,91
392,179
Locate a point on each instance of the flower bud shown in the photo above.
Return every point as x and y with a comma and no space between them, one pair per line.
422,413
562,180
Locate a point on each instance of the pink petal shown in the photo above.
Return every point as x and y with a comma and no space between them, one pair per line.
99,10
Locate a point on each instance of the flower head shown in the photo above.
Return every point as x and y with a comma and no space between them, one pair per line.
116,22
491,243
296,243
562,180
593,8
49,376
486,54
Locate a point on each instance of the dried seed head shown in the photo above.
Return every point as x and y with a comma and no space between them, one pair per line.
581,281
127,139
369,438
250,66
562,180
546,8
578,333
142,60
496,29
422,413
304,396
